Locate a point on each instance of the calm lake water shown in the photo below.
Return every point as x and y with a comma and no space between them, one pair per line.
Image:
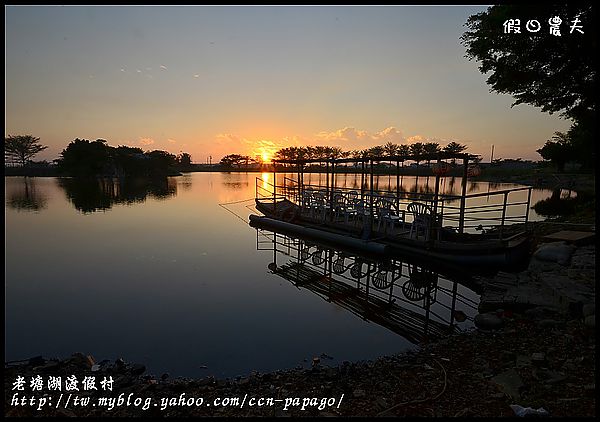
162,275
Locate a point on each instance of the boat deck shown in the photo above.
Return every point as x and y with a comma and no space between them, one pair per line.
399,232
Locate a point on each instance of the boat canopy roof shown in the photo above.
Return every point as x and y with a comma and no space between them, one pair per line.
395,158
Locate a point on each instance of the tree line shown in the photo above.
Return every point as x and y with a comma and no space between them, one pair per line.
91,158
83,157
386,150
327,152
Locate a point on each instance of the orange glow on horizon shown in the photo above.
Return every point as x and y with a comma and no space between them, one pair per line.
265,150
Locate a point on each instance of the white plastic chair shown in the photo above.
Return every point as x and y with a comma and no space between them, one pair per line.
422,215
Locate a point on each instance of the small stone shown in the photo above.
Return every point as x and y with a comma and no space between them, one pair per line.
523,361
589,309
380,401
555,378
489,321
538,358
138,369
460,316
547,323
90,360
590,321
510,382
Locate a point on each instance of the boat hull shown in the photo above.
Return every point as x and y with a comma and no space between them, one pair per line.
510,255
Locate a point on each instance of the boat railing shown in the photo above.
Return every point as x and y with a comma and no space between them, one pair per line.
397,274
485,212
494,215
266,192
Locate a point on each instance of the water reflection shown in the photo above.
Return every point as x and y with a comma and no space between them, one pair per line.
186,181
233,181
450,185
410,299
561,203
194,280
25,196
91,195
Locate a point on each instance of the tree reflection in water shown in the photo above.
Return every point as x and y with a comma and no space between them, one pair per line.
25,197
91,195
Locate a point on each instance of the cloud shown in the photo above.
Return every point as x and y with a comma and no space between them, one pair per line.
417,138
228,139
122,70
138,71
352,137
347,138
171,141
146,141
196,76
234,144
231,140
163,67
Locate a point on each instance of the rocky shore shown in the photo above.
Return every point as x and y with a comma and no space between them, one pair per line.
538,359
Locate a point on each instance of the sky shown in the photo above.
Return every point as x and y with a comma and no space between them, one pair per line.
216,80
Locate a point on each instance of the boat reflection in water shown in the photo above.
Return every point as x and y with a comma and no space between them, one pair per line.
412,300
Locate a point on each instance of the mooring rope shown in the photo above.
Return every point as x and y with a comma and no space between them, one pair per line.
223,205
238,216
250,207
237,202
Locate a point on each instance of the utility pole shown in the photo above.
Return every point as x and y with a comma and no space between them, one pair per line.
210,159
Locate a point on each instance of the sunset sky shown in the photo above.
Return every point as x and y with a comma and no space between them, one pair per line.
250,80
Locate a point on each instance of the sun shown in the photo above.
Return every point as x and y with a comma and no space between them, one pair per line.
266,157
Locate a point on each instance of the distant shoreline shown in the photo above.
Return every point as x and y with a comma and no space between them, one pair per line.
537,177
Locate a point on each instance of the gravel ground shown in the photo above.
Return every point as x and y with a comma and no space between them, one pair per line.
537,359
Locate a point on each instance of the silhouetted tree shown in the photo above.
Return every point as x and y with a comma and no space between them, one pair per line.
84,158
404,149
390,149
160,162
559,150
431,148
418,148
22,147
454,148
555,73
234,160
184,159
129,161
